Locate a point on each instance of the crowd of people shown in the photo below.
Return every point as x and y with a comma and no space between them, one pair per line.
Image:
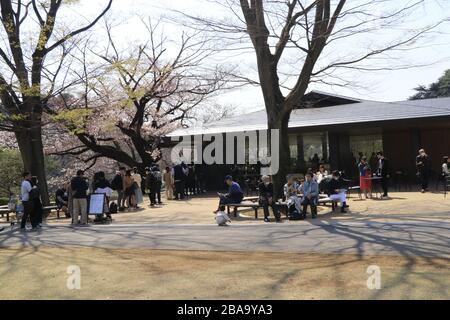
183,180
301,194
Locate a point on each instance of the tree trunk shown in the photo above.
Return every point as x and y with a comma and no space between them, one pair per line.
31,150
276,121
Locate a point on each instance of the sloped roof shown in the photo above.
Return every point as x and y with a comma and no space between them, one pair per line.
362,112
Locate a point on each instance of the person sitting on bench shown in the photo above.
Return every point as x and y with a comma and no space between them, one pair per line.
310,190
234,195
336,192
265,189
291,190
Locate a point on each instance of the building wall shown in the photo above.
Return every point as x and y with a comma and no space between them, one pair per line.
436,142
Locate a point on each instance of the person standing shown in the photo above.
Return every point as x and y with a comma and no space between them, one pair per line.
150,184
365,182
102,186
79,187
179,177
117,185
384,173
310,191
35,198
129,186
28,211
445,167
158,178
266,200
138,191
168,182
423,169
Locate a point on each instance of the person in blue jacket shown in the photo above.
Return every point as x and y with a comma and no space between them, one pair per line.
234,195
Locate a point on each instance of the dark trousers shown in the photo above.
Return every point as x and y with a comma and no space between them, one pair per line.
274,207
384,186
312,203
179,189
227,200
158,193
152,196
424,180
28,212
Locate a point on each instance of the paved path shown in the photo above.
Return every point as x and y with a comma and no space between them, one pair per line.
429,239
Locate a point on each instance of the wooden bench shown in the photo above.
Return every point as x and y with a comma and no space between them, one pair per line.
323,200
355,188
244,204
8,212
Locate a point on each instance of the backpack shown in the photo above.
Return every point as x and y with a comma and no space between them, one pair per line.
157,175
295,215
113,208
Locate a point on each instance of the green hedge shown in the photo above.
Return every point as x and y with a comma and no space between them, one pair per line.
4,201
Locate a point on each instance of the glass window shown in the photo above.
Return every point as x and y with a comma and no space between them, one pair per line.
293,146
315,148
366,145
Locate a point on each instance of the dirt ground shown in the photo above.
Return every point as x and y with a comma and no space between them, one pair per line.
146,274
198,210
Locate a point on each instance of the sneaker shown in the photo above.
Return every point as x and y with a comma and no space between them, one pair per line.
266,220
343,210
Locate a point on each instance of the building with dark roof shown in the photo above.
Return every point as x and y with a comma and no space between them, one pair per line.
337,130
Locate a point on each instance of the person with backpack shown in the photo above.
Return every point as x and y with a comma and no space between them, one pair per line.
150,185
158,178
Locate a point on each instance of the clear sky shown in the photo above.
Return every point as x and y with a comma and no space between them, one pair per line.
380,85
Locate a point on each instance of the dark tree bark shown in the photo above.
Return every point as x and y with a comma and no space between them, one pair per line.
25,113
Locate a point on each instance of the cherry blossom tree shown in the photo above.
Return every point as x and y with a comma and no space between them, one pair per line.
34,66
132,97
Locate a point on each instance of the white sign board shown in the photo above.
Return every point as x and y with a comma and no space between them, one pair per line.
96,204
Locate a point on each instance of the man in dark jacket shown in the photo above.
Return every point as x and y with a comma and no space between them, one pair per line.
266,200
117,185
423,169
151,185
336,190
79,187
383,172
179,176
